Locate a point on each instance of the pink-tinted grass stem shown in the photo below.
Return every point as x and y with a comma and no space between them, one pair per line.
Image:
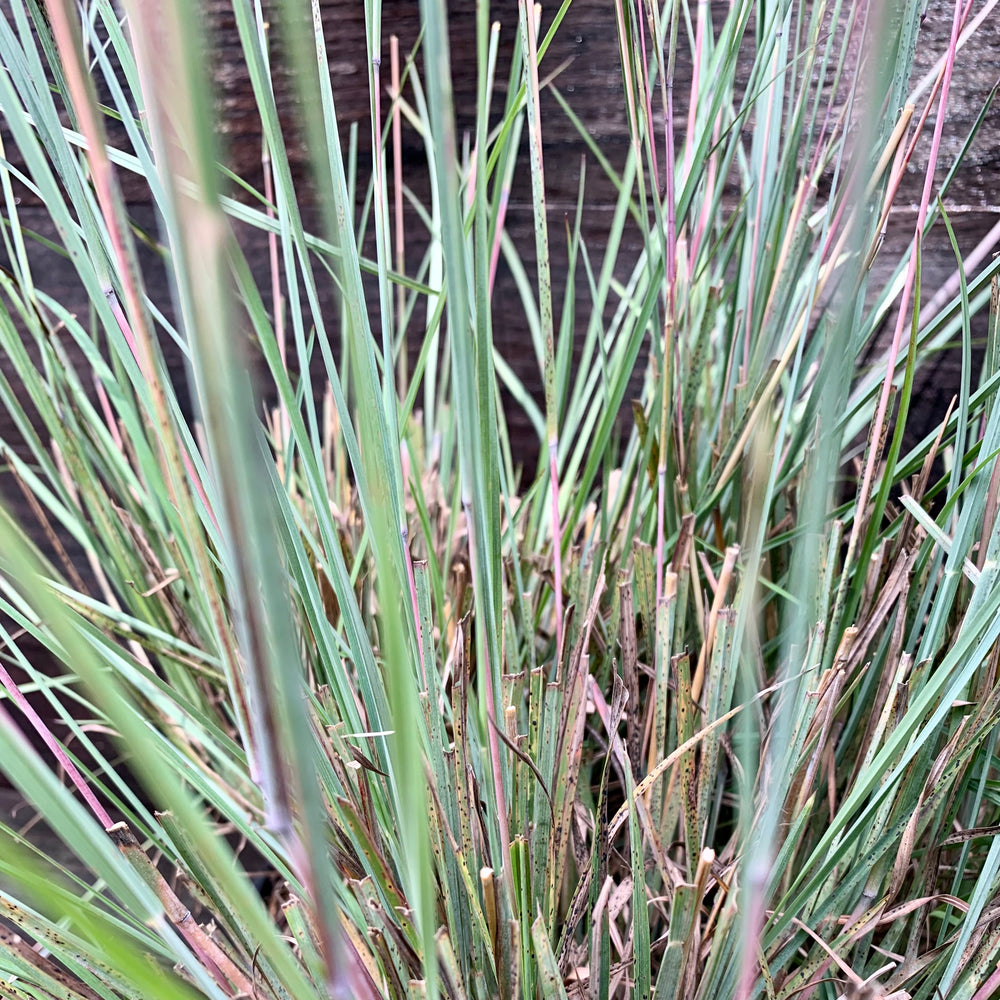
397,194
501,216
40,727
109,416
990,988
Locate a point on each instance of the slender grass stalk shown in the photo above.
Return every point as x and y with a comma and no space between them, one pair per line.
399,230
529,33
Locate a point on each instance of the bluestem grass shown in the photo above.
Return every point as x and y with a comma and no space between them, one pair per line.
644,724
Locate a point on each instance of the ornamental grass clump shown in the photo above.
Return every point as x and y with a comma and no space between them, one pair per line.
339,698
